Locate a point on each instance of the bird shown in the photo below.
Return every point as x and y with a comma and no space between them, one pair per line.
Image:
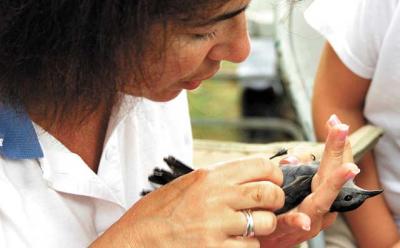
296,185
297,181
297,178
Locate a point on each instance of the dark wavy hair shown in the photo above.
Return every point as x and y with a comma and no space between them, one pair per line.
67,53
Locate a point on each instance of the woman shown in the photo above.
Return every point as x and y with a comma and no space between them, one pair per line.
358,80
92,100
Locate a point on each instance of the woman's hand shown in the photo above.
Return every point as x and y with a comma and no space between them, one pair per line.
204,209
313,215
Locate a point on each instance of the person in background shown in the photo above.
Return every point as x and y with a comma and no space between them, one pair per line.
358,79
93,98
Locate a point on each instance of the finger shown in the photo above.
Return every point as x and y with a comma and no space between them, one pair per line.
247,170
291,227
241,242
264,223
263,194
320,201
289,160
293,222
333,121
348,153
333,152
298,228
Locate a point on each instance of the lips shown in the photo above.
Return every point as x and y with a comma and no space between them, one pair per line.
195,83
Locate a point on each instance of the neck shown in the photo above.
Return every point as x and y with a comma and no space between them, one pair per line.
84,138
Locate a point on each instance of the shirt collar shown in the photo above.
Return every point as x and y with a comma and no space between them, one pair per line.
18,139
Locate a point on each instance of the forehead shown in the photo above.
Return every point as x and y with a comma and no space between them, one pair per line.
213,13
165,32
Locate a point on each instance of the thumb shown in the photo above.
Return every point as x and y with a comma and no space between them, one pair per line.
332,156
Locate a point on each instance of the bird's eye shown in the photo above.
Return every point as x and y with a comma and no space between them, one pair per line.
348,198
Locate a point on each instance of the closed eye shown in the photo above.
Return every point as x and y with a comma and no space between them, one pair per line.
205,36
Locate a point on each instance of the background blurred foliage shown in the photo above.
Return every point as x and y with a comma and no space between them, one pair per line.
215,99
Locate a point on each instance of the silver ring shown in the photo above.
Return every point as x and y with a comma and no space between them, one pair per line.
249,231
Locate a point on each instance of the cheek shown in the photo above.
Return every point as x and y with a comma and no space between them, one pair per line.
189,58
172,72
180,63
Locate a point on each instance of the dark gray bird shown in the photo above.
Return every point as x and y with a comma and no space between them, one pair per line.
296,185
297,179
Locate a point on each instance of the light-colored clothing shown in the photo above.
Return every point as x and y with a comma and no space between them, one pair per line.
55,200
339,235
366,36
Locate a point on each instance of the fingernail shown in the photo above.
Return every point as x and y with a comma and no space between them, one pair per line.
343,131
353,171
306,225
289,160
333,120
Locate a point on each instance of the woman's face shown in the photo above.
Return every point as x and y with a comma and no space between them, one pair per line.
193,54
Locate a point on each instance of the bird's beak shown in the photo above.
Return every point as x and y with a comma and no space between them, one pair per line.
371,193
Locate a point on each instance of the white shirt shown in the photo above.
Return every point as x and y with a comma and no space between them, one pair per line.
57,201
366,36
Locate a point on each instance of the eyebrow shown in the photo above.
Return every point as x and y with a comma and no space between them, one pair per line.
222,17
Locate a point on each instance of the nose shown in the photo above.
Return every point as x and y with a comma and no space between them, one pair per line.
236,45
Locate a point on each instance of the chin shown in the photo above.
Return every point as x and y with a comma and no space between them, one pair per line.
164,96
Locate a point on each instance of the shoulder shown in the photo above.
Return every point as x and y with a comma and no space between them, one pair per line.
352,17
356,29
